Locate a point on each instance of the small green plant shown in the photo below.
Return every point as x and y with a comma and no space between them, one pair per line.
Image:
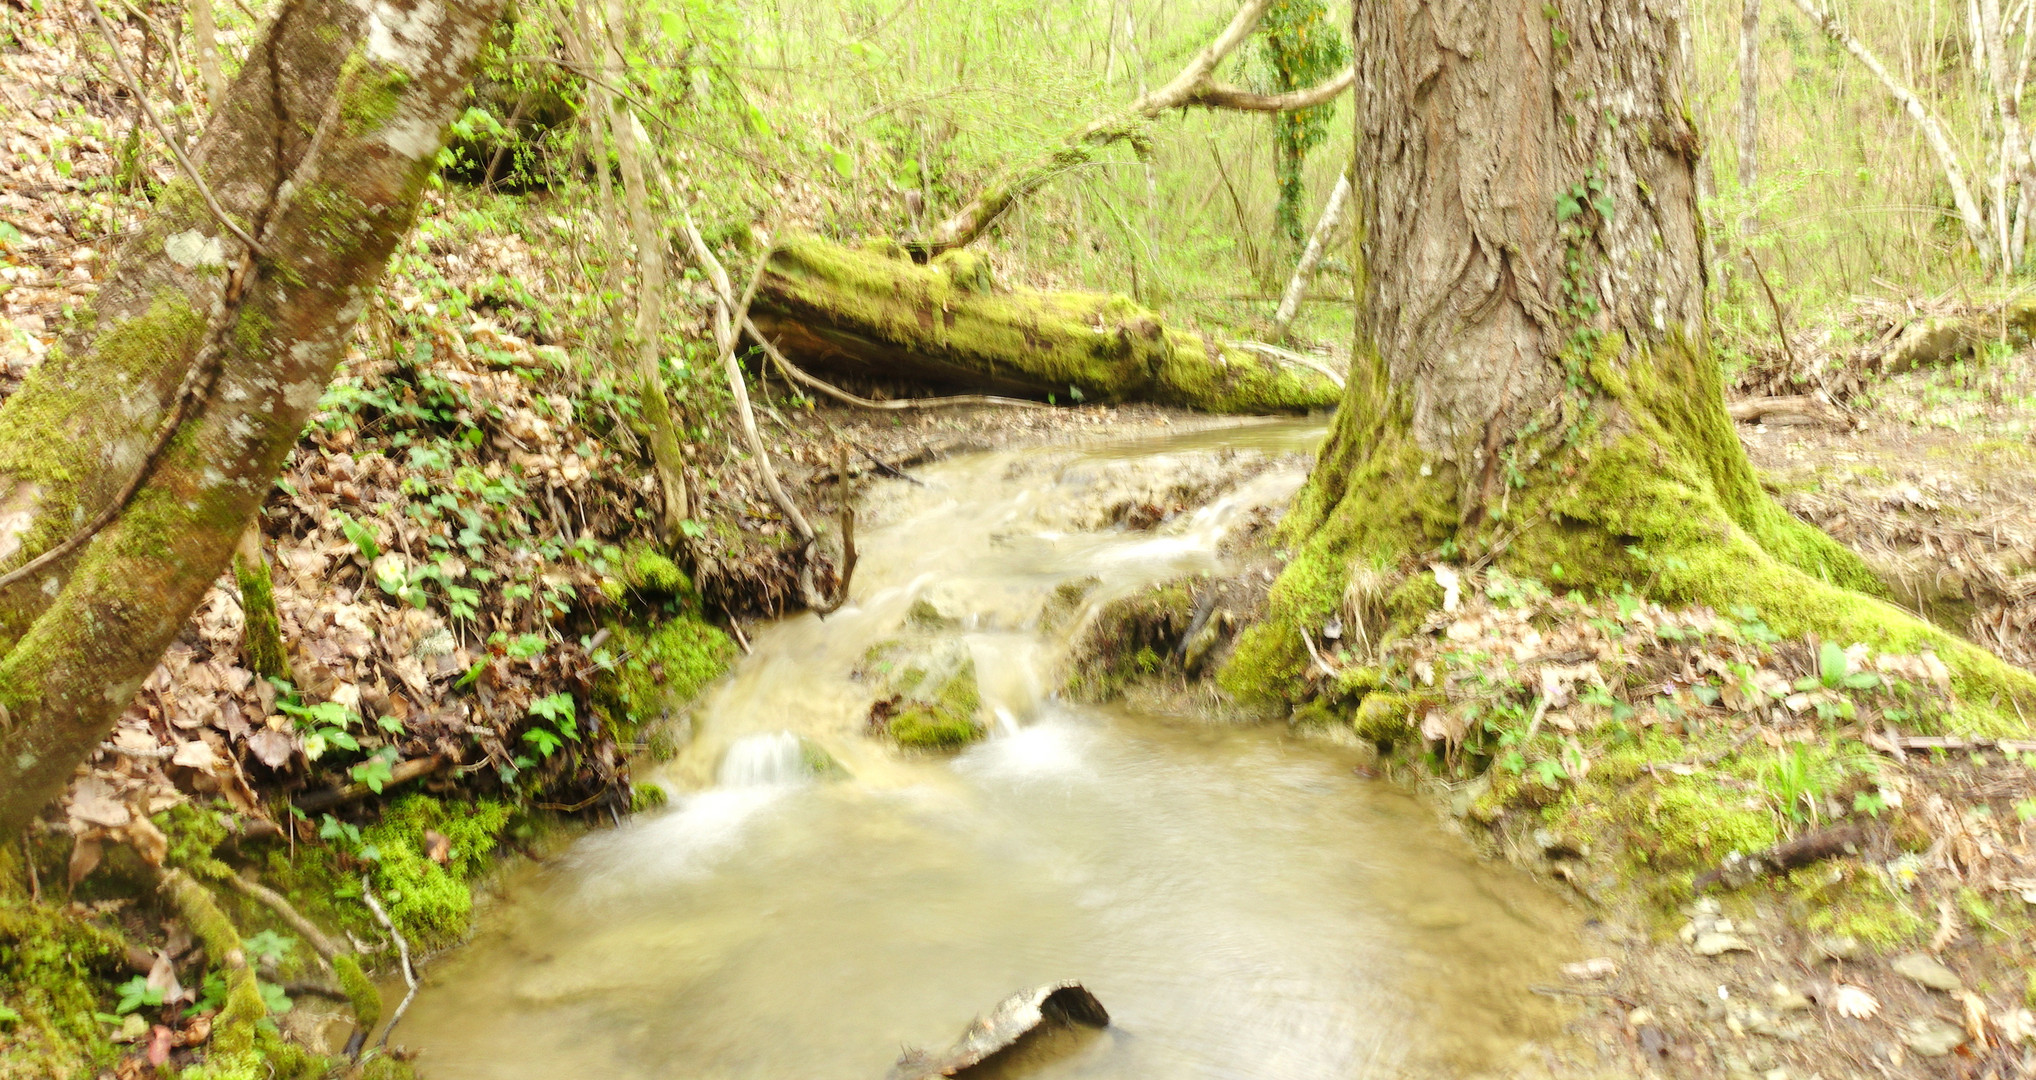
268,946
136,994
377,770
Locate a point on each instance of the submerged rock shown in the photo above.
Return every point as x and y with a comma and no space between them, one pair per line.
929,695
1056,1005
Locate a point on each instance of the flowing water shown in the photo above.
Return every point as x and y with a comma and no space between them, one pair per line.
1242,903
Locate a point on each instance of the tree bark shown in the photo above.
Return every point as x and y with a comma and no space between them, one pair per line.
877,314
1749,112
207,39
650,298
321,149
1531,382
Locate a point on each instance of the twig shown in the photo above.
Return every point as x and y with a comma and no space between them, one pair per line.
288,912
1780,330
176,151
156,753
1574,991
885,469
402,950
28,860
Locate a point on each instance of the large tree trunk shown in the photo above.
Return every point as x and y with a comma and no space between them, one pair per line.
877,314
205,359
1531,381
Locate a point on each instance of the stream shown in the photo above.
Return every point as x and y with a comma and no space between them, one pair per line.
1241,901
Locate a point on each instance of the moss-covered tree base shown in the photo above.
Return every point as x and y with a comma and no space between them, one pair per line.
873,312
1637,482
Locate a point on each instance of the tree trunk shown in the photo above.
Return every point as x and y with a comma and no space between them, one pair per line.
650,298
1531,381
1749,112
321,150
207,39
878,315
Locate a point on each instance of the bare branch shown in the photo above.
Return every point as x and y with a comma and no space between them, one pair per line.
1220,96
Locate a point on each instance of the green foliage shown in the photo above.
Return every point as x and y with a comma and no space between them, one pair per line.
1302,45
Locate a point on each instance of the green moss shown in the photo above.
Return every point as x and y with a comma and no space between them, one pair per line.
1131,637
52,966
662,669
432,904
648,571
1860,904
949,312
1389,718
1693,823
263,631
360,991
645,795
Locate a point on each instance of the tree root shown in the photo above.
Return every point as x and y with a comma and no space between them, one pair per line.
233,1031
276,902
402,951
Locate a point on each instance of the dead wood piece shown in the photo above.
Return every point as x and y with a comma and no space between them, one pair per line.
1798,407
402,952
1055,1005
1738,870
950,326
400,773
1954,742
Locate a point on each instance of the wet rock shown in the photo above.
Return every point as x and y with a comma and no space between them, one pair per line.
1928,971
1829,948
1716,943
1058,1005
1932,1037
938,607
1555,845
929,695
1786,999
1066,602
1142,493
1196,648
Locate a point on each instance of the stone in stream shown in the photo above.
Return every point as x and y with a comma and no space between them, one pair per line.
1059,1005
1928,971
929,697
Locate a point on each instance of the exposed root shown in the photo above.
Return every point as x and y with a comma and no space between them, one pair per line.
233,1031
276,902
402,950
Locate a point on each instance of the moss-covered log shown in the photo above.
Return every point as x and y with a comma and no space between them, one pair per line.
1532,383
336,183
873,312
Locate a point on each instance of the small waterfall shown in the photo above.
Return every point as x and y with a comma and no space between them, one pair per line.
773,759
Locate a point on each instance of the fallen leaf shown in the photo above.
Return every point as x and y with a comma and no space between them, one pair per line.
160,1040
94,802
437,846
271,747
196,755
85,853
1852,1001
1452,585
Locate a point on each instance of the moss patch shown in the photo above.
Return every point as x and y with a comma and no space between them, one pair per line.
659,669
432,904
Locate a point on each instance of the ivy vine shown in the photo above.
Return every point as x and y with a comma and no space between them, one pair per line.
1302,46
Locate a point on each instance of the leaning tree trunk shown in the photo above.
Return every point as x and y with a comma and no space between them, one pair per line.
1531,381
170,412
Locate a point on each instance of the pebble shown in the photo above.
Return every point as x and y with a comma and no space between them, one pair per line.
1928,971
1788,1000
1717,943
1828,949
1933,1038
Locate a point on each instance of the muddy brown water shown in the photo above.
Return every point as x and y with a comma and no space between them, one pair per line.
1242,903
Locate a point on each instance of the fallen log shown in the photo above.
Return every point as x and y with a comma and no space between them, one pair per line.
1937,340
873,312
1055,1005
1801,408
